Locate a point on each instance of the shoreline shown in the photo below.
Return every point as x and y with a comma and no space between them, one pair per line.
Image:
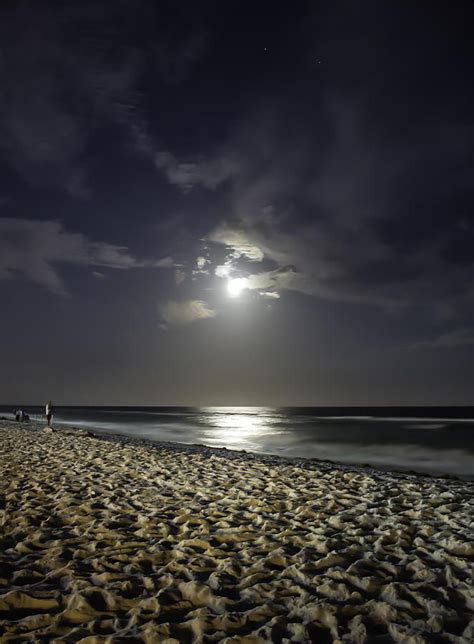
106,537
300,461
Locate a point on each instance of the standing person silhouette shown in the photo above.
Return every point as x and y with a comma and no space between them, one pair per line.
49,413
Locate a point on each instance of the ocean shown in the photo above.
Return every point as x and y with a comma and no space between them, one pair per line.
435,440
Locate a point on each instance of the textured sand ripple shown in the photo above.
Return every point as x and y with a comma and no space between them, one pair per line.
106,540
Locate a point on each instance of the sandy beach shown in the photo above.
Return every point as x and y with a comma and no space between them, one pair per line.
107,540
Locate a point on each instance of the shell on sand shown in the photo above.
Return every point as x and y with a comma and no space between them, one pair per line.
107,540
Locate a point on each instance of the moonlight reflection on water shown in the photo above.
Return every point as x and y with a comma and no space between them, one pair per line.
237,428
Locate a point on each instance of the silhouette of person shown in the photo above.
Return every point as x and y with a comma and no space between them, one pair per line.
49,413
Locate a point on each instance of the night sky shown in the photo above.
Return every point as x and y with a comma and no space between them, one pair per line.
225,203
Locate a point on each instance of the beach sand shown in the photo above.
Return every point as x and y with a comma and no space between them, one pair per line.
107,540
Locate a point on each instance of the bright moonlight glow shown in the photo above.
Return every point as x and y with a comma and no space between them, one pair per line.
236,286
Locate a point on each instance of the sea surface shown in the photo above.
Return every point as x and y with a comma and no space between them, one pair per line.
436,440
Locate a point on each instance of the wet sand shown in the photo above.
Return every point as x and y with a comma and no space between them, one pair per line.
107,540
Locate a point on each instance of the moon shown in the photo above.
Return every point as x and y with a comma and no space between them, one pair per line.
236,286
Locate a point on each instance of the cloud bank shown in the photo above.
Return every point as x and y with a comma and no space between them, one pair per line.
352,224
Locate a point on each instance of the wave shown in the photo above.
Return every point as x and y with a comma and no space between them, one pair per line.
401,456
398,419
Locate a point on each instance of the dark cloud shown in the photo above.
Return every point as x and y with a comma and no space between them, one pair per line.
69,69
64,68
356,225
356,218
40,134
451,339
209,174
35,249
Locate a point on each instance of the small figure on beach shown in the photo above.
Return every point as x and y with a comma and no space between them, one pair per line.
19,415
49,413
